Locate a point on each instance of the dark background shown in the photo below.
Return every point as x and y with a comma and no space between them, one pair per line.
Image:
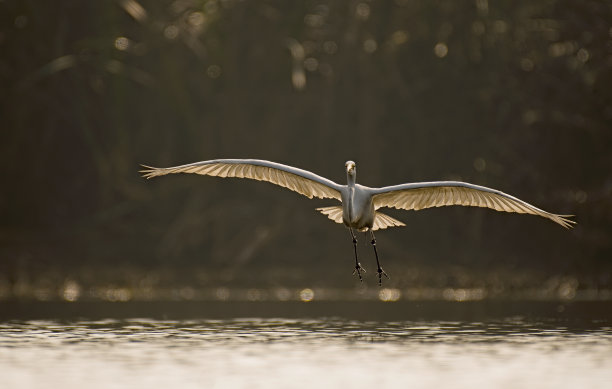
515,95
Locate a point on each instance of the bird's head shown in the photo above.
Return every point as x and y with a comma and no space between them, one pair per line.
351,168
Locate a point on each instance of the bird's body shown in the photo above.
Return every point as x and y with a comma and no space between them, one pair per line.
360,204
357,207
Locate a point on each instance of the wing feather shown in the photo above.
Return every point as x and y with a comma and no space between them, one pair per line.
418,201
333,213
482,200
423,195
297,180
435,195
464,199
382,221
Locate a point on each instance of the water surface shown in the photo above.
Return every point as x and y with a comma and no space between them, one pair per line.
304,353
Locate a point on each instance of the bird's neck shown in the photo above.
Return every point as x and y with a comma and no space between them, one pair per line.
350,180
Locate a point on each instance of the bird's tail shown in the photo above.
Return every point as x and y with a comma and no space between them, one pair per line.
382,221
333,213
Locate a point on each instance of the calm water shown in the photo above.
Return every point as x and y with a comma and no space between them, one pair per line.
304,353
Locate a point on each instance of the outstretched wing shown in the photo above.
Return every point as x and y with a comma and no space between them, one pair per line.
297,180
422,195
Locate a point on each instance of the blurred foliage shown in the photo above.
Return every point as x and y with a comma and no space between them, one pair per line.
516,95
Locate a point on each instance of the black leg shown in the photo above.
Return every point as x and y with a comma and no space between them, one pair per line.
380,271
358,267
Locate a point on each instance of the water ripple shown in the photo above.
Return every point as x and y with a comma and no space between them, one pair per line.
302,353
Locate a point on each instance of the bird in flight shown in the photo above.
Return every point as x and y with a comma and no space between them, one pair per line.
359,209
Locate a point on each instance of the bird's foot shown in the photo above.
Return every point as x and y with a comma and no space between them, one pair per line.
381,273
358,270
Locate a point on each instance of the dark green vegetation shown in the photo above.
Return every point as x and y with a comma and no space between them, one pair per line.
515,95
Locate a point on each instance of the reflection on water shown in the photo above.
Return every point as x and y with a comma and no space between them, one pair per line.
303,353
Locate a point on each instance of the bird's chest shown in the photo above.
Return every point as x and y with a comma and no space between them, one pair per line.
358,209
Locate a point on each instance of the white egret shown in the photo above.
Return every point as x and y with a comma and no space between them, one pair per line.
360,204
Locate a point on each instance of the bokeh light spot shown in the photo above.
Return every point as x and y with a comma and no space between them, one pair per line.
567,289
399,37
559,49
222,294
71,291
311,64
196,19
462,294
254,295
298,78
117,294
581,196
283,294
171,32
480,164
134,9
482,6
362,11
440,50
213,71
187,293
370,46
530,116
306,295
330,47
583,55
313,20
122,43
500,26
389,294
